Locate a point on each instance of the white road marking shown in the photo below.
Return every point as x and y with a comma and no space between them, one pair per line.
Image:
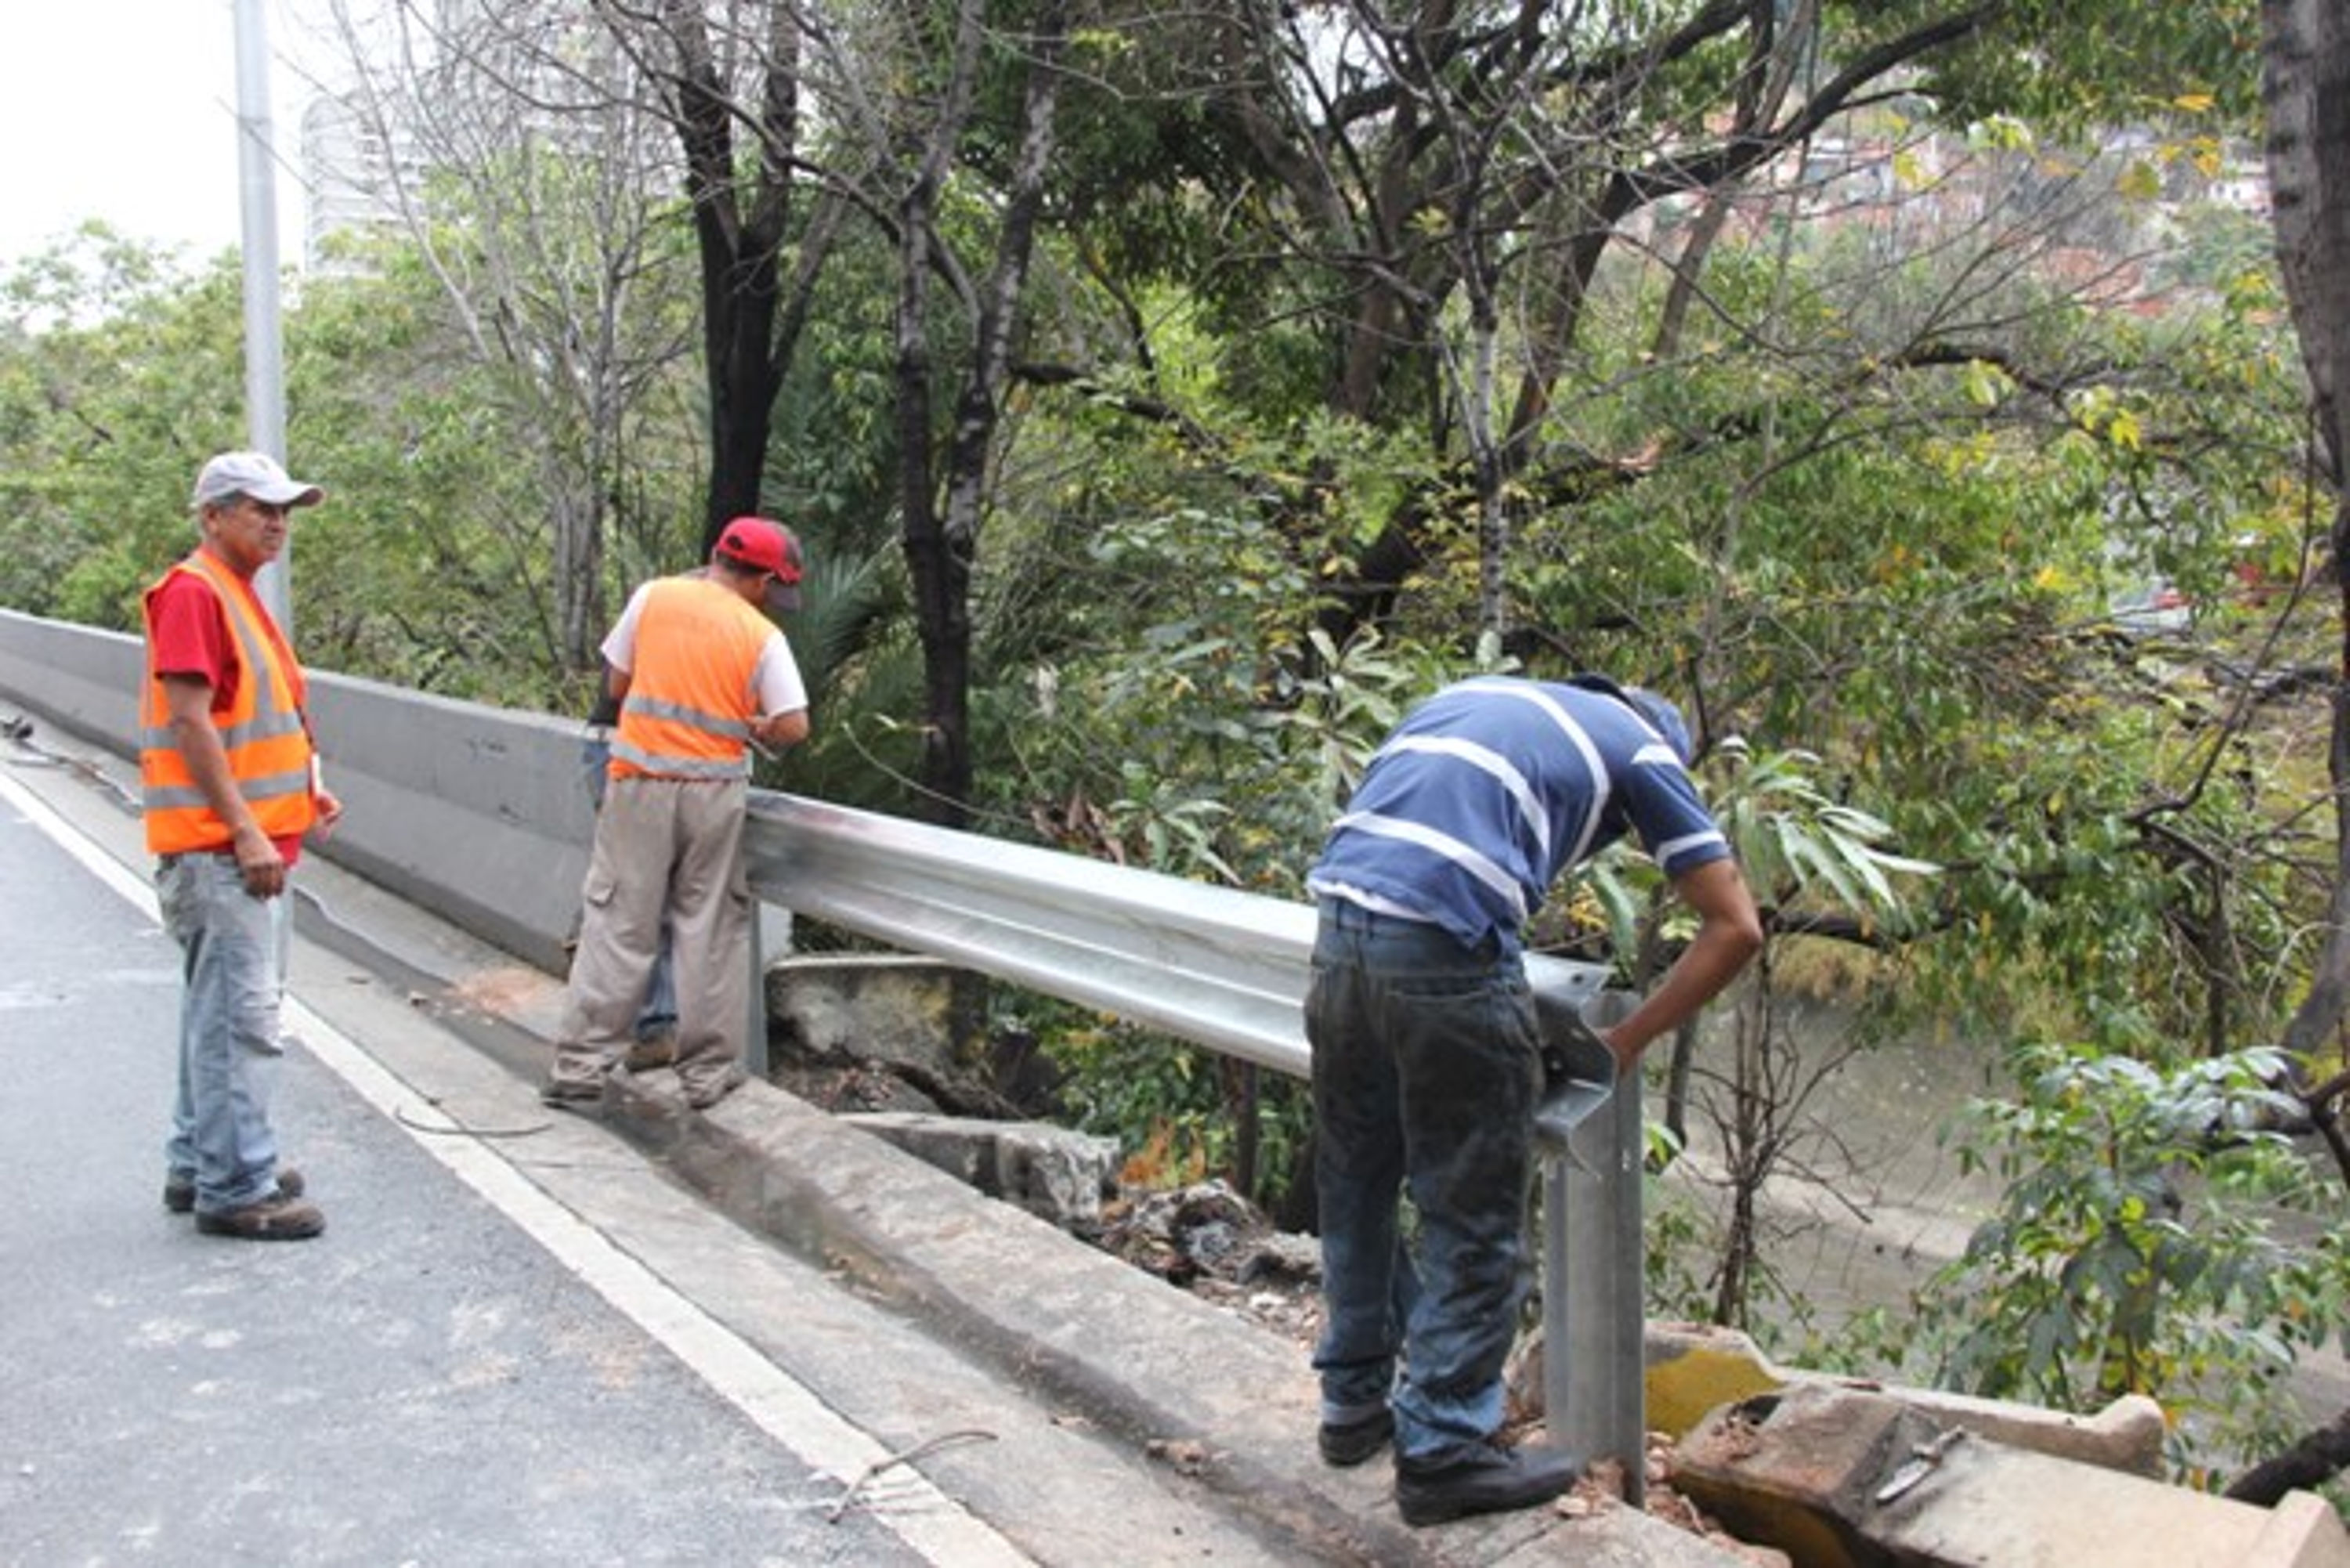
901,1499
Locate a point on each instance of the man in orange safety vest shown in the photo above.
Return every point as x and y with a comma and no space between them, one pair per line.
700,675
229,786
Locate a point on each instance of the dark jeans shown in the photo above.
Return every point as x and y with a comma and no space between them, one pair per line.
1426,1072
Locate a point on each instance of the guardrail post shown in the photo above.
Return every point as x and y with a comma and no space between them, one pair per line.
1593,1330
755,1029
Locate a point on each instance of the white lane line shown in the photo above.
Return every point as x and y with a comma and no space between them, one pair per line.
81,846
926,1519
931,1523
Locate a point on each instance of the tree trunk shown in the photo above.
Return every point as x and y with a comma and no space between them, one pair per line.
938,564
2305,52
740,220
938,580
942,542
1777,52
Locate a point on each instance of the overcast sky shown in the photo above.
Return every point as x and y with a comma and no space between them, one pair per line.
126,110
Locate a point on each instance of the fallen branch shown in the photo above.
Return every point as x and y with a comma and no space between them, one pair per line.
399,1114
889,1462
2316,1459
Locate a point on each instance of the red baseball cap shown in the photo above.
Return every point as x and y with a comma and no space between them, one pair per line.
765,545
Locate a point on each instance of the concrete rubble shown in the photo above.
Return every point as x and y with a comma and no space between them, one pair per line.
1059,1176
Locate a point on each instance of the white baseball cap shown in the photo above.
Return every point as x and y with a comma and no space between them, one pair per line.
254,474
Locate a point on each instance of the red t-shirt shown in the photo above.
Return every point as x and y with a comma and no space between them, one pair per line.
187,627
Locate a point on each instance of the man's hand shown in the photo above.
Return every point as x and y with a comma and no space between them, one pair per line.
1627,1057
330,808
1729,932
258,862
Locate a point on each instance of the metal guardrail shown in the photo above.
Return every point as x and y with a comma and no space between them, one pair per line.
1228,970
1215,966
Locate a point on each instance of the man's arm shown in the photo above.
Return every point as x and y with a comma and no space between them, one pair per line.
777,731
781,696
190,702
1729,934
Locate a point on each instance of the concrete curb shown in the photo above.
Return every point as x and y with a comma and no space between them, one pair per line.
1212,1395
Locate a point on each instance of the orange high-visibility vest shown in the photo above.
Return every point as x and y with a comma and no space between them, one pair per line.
263,732
691,702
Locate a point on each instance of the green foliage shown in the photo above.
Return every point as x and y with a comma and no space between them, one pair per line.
1801,852
2146,1244
438,559
2092,64
430,564
1184,723
1176,1110
1796,842
118,375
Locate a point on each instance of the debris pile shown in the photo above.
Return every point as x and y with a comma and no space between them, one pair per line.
1207,1238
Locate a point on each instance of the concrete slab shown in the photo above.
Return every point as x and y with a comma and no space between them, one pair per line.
1850,1479
1694,1369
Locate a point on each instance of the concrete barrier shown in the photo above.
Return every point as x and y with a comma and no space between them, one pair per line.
82,680
478,814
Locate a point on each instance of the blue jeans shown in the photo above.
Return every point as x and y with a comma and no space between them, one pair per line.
229,1043
1427,1068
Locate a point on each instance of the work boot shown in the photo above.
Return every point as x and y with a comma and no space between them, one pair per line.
705,1092
1346,1444
653,1052
271,1219
580,1099
180,1191
1483,1477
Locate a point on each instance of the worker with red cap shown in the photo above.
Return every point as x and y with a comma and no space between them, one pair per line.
701,675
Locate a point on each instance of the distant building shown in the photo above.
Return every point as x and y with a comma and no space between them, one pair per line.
355,168
493,83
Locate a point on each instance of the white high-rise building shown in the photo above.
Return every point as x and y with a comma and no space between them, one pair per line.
354,168
488,79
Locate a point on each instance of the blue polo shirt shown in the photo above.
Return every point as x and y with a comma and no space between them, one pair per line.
1492,787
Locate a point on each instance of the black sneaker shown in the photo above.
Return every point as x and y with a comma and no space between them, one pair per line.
1347,1444
1483,1479
180,1191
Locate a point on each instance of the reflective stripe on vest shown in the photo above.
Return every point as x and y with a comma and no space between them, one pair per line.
690,704
262,733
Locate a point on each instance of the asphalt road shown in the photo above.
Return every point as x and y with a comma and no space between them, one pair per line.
428,1383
